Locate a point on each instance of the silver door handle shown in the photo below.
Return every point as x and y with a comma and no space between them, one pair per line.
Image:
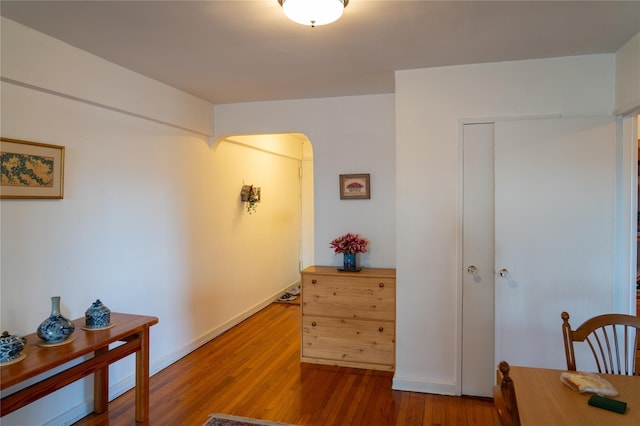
504,273
472,269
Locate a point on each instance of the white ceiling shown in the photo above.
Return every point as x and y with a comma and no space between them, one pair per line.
241,50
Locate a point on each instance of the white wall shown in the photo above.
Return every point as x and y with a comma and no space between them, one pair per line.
151,222
348,135
429,106
628,76
627,104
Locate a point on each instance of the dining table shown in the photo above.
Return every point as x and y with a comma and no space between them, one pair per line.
543,399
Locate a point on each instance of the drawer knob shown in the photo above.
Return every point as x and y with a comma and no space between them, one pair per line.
380,329
313,324
381,285
313,281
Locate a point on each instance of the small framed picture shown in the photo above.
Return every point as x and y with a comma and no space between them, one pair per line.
353,187
31,169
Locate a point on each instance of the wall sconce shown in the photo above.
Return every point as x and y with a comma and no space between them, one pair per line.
251,195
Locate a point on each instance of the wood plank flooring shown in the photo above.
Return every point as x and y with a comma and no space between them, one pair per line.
254,370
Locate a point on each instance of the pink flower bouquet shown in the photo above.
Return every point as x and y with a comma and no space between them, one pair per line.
349,244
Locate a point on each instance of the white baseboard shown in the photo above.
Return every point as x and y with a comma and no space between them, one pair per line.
72,416
415,385
115,390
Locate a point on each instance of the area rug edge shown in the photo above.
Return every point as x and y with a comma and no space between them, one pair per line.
231,420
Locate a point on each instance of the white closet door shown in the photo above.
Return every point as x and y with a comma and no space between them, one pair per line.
478,367
555,186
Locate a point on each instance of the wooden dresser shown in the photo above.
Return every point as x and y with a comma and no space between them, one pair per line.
348,318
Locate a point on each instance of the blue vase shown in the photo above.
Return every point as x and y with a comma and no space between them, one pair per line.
56,328
97,316
349,261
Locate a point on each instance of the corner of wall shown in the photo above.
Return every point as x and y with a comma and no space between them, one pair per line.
627,92
39,62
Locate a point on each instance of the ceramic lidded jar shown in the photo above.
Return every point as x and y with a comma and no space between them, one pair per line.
97,316
11,346
56,328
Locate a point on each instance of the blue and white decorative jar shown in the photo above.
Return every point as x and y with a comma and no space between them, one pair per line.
56,328
11,346
97,316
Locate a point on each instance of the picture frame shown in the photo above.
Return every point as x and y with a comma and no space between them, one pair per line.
31,170
355,186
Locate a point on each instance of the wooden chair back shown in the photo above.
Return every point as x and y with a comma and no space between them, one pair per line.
612,338
504,398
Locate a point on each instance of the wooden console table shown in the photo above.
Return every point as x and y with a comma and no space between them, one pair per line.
131,329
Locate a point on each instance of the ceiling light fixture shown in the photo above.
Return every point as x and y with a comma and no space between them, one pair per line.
313,12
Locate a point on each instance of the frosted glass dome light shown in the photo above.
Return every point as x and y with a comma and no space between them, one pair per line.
313,12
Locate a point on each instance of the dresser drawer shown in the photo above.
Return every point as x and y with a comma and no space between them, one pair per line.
349,296
348,340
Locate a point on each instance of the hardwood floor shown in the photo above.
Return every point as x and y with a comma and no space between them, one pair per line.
254,370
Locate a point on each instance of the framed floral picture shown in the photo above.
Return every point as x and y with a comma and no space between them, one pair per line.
355,187
31,169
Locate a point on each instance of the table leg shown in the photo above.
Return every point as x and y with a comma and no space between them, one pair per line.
142,377
101,385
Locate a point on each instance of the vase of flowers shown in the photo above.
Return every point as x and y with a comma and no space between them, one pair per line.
349,245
